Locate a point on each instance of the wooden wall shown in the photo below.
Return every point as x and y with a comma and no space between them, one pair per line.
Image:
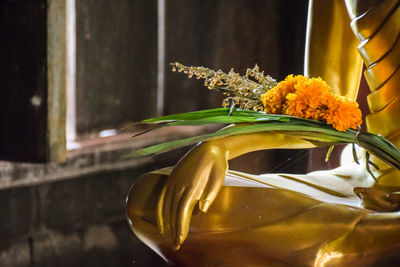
117,57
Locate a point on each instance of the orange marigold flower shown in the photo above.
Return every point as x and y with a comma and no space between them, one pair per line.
313,99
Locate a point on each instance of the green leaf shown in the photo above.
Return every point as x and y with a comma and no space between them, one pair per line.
188,115
225,120
219,112
380,147
308,132
249,121
213,116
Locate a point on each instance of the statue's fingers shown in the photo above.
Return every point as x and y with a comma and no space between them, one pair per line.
185,210
160,207
173,214
214,184
166,211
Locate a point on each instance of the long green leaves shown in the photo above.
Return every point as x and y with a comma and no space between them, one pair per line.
381,147
255,122
249,121
245,129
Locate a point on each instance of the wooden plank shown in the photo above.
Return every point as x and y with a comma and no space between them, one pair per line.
57,78
190,33
116,63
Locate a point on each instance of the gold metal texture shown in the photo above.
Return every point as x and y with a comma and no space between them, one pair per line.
328,32
379,73
374,48
339,217
377,122
379,99
367,15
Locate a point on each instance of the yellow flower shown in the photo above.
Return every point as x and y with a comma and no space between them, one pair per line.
312,98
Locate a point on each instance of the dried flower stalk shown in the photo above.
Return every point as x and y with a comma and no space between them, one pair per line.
245,91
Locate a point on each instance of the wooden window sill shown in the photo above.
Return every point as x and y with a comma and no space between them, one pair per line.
91,156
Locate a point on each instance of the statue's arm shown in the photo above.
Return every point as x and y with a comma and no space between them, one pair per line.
199,175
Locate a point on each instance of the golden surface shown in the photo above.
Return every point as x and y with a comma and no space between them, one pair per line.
375,47
328,30
366,15
339,217
379,73
377,122
386,94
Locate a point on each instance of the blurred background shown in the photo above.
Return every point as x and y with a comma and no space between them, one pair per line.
74,72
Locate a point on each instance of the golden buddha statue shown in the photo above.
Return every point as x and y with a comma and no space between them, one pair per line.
326,218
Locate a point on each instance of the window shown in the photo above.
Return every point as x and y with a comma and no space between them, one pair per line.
85,68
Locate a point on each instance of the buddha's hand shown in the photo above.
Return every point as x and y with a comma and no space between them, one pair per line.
378,200
197,177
